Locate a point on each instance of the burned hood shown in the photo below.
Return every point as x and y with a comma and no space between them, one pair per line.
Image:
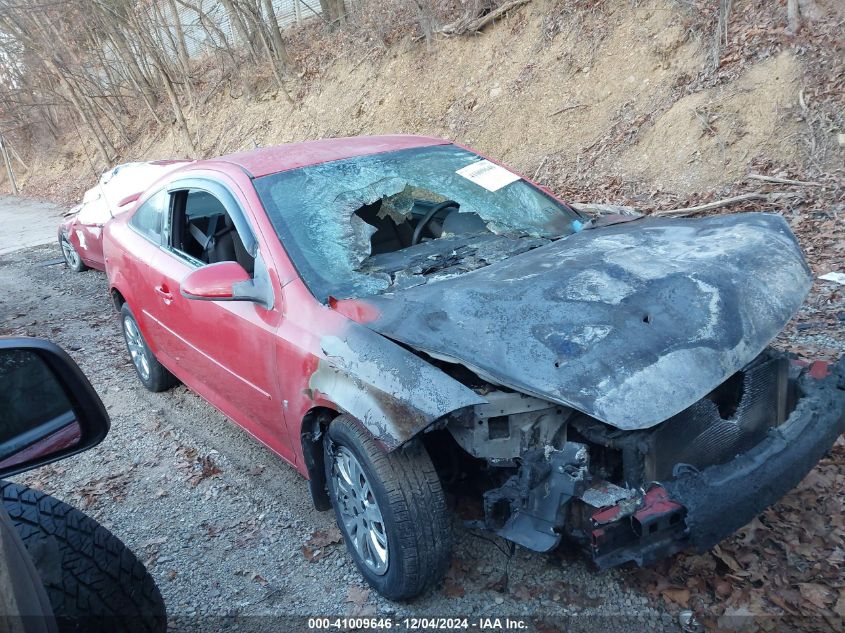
630,324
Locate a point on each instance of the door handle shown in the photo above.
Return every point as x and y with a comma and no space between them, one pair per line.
164,293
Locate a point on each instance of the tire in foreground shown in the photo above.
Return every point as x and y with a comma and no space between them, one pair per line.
93,581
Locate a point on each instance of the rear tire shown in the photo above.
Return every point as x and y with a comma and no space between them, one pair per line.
71,255
93,581
407,495
152,374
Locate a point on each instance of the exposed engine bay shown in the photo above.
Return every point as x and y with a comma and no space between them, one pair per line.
550,471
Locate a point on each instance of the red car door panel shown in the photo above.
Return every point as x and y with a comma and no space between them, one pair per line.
88,241
141,244
223,350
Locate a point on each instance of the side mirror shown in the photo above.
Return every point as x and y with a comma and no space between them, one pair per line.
48,409
226,281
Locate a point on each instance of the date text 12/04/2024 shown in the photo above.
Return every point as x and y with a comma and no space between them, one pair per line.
418,624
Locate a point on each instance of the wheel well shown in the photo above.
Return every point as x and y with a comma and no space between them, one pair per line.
117,299
314,425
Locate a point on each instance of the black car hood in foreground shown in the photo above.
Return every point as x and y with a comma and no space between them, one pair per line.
630,324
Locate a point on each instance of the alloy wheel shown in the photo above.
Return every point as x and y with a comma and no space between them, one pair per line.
359,510
137,347
71,256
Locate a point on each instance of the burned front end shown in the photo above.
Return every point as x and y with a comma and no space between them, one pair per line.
608,383
639,495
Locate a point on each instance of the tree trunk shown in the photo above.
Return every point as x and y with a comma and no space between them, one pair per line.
181,46
334,12
159,22
279,50
211,29
133,66
277,70
793,16
240,27
8,162
181,123
85,115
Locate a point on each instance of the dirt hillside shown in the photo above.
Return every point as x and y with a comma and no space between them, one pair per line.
634,103
576,96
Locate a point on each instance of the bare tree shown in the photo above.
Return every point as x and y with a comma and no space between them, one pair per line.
96,67
334,12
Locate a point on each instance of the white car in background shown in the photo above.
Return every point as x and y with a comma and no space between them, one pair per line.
80,234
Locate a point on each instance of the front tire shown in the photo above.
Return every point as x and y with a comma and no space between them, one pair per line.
93,581
152,374
70,254
390,508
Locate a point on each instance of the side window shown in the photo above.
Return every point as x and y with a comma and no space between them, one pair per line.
147,220
202,229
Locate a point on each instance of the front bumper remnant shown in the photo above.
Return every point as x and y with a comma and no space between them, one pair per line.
700,508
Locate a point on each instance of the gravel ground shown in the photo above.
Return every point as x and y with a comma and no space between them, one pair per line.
221,521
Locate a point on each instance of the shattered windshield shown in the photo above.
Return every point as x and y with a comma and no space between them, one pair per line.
372,224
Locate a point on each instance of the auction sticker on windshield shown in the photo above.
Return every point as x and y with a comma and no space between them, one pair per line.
488,175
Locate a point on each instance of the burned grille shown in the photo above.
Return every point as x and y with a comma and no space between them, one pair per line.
728,421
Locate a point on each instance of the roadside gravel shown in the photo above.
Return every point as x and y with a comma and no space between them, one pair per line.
221,521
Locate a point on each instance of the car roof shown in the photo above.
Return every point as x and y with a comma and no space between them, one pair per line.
270,160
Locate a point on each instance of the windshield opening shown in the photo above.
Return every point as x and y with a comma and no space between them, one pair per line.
374,224
413,216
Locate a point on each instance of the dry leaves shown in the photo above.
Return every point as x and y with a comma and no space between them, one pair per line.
315,547
111,486
452,589
357,597
196,469
452,585
818,595
249,532
839,607
254,576
678,595
151,548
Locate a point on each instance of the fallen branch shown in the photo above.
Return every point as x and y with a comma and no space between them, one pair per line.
568,107
785,181
465,24
726,202
594,208
540,167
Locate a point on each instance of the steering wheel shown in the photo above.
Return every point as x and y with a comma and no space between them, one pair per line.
427,218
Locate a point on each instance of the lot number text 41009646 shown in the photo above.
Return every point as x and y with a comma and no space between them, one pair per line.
482,624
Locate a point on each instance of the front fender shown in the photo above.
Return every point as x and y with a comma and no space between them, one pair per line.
393,393
66,227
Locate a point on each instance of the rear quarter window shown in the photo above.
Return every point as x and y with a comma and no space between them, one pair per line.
147,220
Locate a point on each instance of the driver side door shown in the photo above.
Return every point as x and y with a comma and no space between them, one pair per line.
225,351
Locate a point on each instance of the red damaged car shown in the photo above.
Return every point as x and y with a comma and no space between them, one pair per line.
397,316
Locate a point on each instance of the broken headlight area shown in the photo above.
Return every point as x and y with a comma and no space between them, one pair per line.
552,472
